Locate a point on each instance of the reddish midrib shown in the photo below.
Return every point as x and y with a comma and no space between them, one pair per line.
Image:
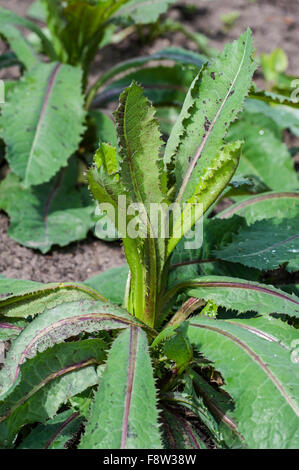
256,358
88,317
46,380
130,381
10,327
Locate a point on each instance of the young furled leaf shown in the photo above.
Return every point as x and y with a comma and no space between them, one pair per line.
141,171
202,116
21,47
108,188
243,296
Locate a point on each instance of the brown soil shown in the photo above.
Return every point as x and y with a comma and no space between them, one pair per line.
275,23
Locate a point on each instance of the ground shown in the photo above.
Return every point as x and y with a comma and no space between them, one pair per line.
274,24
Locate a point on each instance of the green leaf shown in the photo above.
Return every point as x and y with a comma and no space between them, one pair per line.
176,54
119,419
272,97
274,63
266,244
9,287
9,330
8,59
264,154
42,122
22,299
214,408
55,213
144,11
168,25
81,402
105,283
55,434
46,381
37,11
54,326
278,331
229,76
265,206
105,129
178,433
267,418
143,175
139,143
283,116
243,186
240,295
212,182
77,27
9,20
106,186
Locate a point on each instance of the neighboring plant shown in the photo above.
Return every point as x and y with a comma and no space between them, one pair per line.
274,65
190,339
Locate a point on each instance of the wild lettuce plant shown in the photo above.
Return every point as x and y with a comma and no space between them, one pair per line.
184,338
